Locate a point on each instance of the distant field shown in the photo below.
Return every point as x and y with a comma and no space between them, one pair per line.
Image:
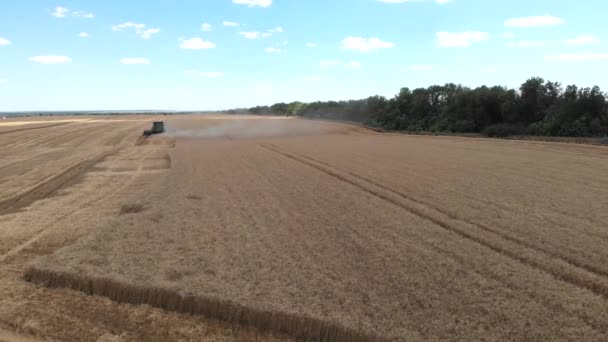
334,232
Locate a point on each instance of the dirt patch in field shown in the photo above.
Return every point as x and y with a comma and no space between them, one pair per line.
342,237
132,208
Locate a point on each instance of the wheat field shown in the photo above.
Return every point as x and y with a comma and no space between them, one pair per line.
331,232
60,178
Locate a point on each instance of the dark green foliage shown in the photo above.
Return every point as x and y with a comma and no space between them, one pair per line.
501,130
463,126
539,107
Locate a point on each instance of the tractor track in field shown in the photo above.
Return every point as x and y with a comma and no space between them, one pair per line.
18,162
451,215
591,321
564,226
582,277
51,184
119,137
81,133
485,271
60,136
26,139
33,128
36,236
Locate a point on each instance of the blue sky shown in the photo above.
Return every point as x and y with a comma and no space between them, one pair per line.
117,54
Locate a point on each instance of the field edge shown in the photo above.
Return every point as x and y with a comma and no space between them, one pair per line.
297,326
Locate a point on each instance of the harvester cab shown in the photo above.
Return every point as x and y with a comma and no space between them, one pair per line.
158,127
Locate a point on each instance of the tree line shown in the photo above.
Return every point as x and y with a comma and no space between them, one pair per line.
538,107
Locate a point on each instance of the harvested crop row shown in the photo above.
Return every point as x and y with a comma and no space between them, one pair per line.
264,236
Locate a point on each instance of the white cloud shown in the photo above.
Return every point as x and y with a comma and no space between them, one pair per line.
443,2
250,35
231,24
421,67
206,27
206,74
136,60
578,57
4,41
60,12
534,21
364,44
460,39
583,40
83,35
196,44
3,80
147,34
127,25
311,45
51,59
272,50
266,34
140,29
526,44
82,14
251,3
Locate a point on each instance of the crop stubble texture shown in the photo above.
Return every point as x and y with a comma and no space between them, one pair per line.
340,237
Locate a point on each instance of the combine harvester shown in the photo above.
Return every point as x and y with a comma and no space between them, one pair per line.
158,127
